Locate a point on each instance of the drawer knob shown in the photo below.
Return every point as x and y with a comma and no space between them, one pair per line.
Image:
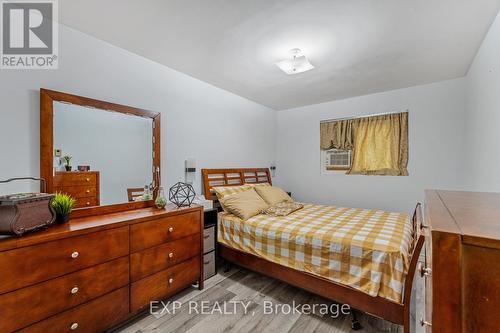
74,290
171,255
88,203
171,229
88,191
171,280
87,179
206,236
75,254
74,326
425,323
206,262
424,271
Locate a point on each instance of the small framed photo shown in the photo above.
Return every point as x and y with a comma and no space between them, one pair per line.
84,168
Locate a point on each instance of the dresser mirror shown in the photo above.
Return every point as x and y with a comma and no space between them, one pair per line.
102,154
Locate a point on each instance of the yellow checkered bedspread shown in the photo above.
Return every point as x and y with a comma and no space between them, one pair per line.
363,248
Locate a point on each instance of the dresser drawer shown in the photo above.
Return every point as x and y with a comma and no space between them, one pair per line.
208,239
160,257
209,265
54,296
29,265
92,317
75,179
86,202
163,284
78,191
148,234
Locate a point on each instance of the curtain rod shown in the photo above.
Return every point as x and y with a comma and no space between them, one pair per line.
367,116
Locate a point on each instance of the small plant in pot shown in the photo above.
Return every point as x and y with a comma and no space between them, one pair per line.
62,204
67,160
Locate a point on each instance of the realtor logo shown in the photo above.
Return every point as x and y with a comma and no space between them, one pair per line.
29,34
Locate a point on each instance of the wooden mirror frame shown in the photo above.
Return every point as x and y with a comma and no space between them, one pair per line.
47,99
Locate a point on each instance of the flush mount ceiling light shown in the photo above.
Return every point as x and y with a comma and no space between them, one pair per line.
298,63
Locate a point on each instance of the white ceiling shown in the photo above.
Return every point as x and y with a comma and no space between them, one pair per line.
357,46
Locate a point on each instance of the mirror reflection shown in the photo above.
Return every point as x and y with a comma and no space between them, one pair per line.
101,157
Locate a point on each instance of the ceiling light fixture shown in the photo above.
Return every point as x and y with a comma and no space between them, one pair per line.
298,63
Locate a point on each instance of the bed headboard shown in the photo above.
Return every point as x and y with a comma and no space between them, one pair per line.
232,177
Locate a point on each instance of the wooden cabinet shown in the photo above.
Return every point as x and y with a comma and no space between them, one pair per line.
84,276
83,186
462,265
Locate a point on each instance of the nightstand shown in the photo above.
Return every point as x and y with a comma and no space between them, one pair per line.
210,243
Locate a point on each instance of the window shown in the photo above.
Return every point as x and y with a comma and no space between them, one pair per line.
370,145
337,159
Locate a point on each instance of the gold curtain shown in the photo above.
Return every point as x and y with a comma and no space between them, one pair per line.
381,145
337,135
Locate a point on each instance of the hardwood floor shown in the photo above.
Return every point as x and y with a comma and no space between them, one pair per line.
255,291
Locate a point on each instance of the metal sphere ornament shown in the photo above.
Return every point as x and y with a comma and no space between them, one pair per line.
181,194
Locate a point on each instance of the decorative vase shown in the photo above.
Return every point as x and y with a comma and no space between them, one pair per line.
68,167
62,218
161,201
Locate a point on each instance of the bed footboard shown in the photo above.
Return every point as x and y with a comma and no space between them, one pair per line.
419,240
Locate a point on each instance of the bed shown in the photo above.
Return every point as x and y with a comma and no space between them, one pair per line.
365,258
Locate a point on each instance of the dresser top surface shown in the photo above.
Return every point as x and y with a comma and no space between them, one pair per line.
76,172
470,214
88,224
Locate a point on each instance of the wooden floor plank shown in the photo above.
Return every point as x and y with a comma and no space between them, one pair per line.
182,321
305,323
255,290
223,323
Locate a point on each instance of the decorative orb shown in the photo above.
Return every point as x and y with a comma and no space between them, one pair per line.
181,194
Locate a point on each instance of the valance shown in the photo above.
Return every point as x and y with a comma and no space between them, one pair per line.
337,135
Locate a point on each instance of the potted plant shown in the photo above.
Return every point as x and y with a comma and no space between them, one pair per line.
67,160
161,201
62,204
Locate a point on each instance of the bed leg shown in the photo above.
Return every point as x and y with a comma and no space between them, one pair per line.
227,266
355,324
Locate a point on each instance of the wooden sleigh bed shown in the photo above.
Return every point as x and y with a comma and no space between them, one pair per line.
395,312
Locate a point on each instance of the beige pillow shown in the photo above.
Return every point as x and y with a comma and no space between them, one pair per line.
245,204
272,194
224,191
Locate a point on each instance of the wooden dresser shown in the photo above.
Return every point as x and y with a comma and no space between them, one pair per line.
81,185
94,272
462,261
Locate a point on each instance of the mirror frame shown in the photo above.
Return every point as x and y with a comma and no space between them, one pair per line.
47,99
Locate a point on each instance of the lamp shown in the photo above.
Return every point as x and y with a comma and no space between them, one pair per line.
298,63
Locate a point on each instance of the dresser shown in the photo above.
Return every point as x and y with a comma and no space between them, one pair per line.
462,261
83,186
94,272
